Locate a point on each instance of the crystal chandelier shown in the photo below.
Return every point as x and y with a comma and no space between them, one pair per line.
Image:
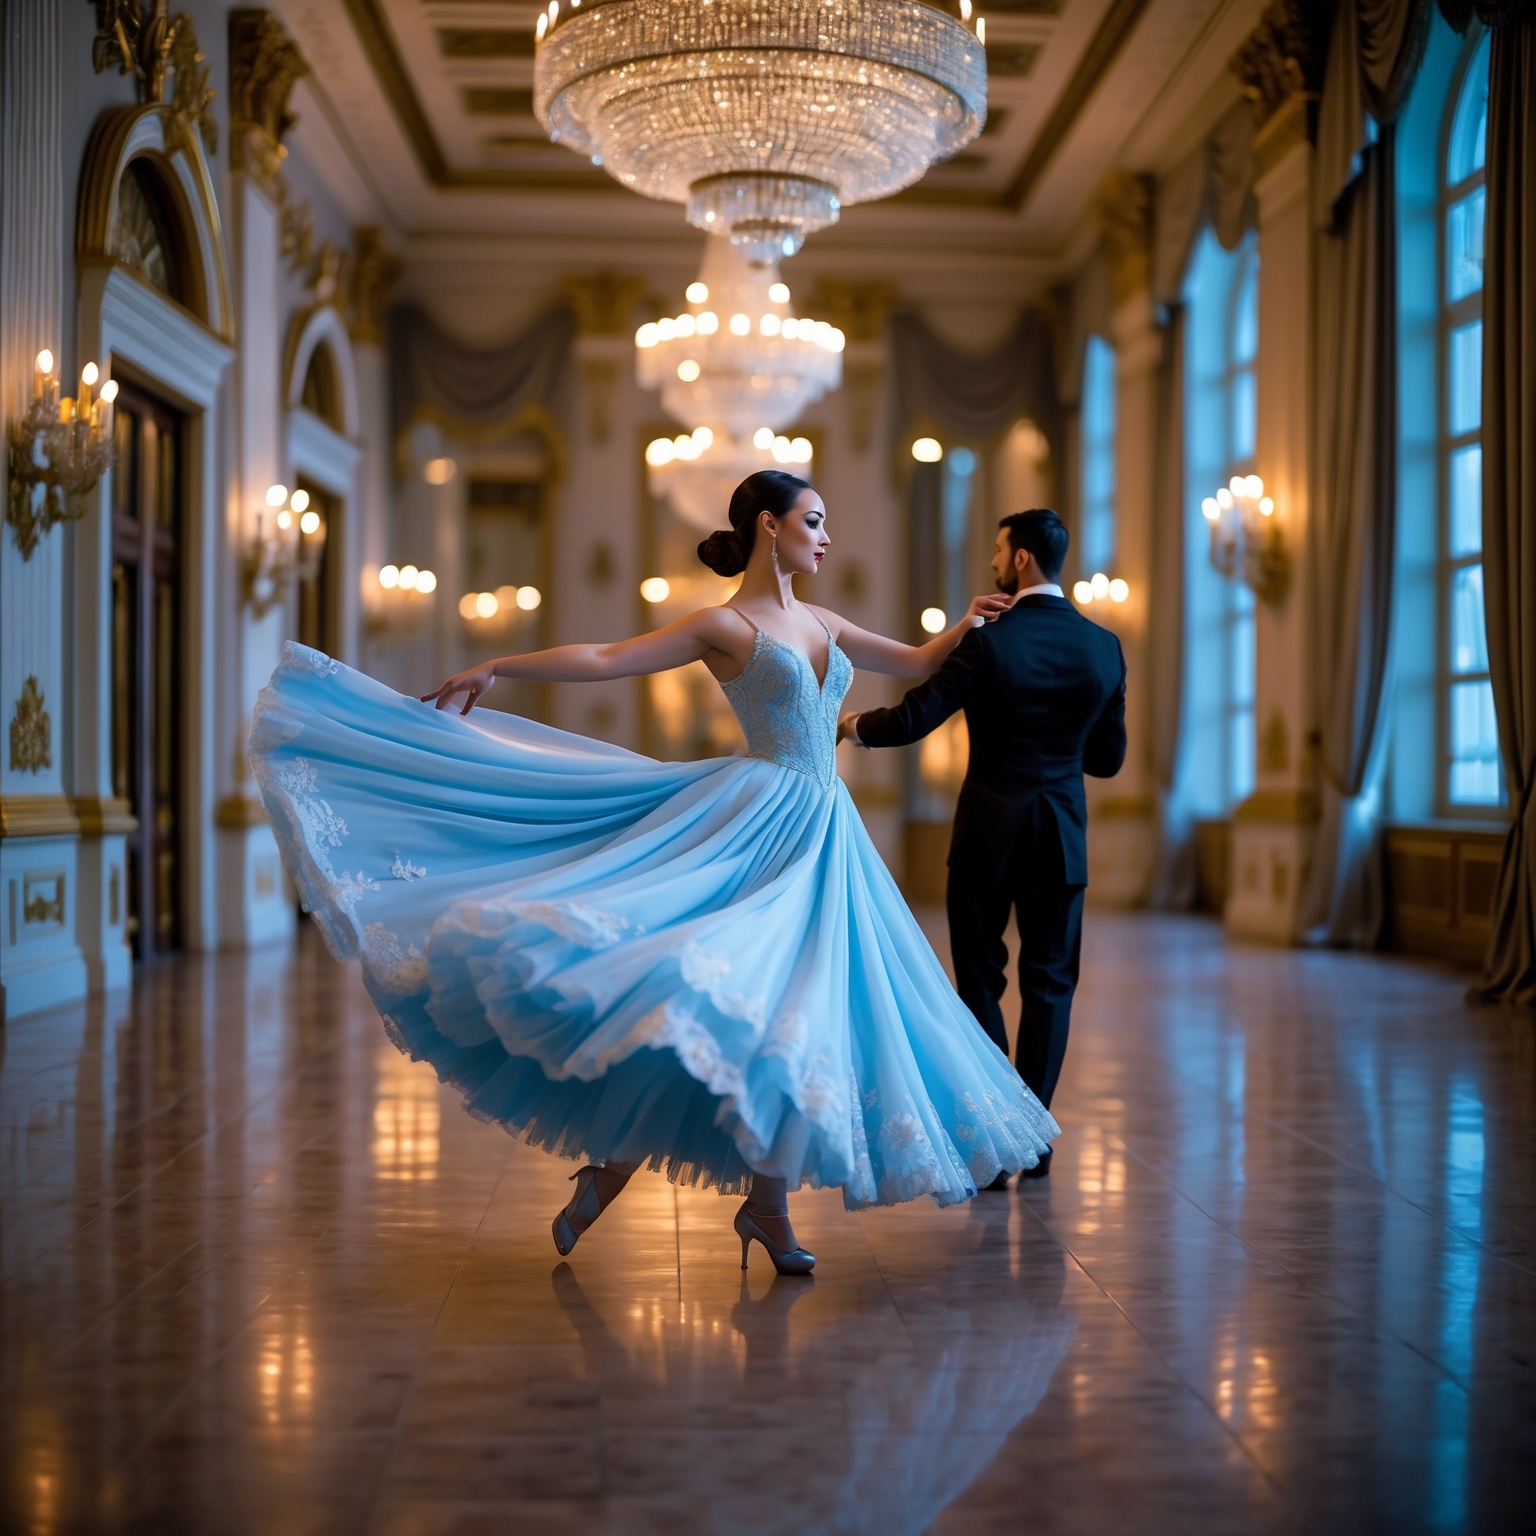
737,366
738,359
765,117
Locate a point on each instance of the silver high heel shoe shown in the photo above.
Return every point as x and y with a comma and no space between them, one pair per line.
586,1205
788,1261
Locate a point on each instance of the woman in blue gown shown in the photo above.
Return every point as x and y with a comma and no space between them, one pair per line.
704,967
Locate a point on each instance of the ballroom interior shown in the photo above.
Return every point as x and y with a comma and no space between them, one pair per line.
421,331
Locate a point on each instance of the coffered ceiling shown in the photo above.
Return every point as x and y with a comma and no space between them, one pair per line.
419,114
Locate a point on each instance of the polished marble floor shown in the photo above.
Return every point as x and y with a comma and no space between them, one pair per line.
258,1274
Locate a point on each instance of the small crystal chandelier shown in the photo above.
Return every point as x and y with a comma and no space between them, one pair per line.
766,117
1245,538
737,367
738,359
63,445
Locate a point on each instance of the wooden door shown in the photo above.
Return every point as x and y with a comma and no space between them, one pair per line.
147,661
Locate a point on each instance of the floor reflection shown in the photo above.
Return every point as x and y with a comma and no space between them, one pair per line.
260,1274
896,1433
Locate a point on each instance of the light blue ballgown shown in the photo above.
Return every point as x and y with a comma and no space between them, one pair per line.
702,965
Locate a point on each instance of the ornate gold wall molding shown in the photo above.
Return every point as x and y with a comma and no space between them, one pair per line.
1283,58
1124,209
374,274
141,39
64,816
264,67
31,731
602,301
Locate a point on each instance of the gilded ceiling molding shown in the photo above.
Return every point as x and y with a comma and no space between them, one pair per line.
31,732
1102,51
1283,56
374,274
264,67
383,53
1124,207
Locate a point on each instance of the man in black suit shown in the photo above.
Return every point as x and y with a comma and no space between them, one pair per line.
1043,690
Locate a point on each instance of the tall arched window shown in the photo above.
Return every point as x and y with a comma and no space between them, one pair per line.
1221,295
1469,741
1096,545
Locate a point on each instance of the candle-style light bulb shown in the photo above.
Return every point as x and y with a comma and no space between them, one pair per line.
89,374
45,361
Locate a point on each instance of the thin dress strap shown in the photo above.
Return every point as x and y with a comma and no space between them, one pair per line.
740,615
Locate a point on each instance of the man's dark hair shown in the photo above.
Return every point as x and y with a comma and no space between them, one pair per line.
1040,532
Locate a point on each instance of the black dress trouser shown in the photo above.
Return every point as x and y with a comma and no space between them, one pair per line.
1050,914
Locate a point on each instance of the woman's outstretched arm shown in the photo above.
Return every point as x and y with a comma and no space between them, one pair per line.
874,653
687,639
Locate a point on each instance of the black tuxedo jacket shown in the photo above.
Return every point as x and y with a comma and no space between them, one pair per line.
1043,690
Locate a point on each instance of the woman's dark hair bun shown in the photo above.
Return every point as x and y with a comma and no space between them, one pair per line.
722,553
769,490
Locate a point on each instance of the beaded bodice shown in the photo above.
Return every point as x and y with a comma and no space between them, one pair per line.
786,715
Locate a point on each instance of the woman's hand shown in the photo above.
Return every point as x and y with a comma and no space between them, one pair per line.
987,607
476,683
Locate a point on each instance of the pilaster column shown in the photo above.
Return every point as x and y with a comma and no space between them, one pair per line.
255,905
1274,830
41,960
374,273
596,544
1122,812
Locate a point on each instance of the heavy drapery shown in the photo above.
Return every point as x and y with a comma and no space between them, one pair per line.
1509,488
1214,182
971,395
473,391
1374,54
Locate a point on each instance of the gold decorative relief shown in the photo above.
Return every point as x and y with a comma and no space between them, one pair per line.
31,732
602,301
1284,56
141,39
374,273
295,229
264,67
42,898
1124,209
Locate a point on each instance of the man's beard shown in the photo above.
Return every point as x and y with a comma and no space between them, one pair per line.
1008,584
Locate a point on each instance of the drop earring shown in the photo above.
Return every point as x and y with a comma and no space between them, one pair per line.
775,551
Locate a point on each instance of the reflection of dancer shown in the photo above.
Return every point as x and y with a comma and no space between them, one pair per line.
1043,692
704,966
829,1389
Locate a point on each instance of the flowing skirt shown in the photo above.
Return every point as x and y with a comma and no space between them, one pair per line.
705,966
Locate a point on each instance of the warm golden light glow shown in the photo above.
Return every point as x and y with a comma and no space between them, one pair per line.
309,523
655,589
927,450
1100,584
439,471
696,292
688,370
741,325
934,620
779,293
299,500
407,1118
1083,592
45,361
1119,589
426,581
89,374
276,495
529,598
285,519
389,577
408,575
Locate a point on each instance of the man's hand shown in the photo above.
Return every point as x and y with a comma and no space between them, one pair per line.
987,607
476,683
848,727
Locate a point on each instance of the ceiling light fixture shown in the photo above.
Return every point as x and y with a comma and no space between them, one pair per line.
765,117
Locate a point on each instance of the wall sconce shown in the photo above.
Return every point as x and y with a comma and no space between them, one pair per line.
501,606
1099,588
1246,540
273,560
63,445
